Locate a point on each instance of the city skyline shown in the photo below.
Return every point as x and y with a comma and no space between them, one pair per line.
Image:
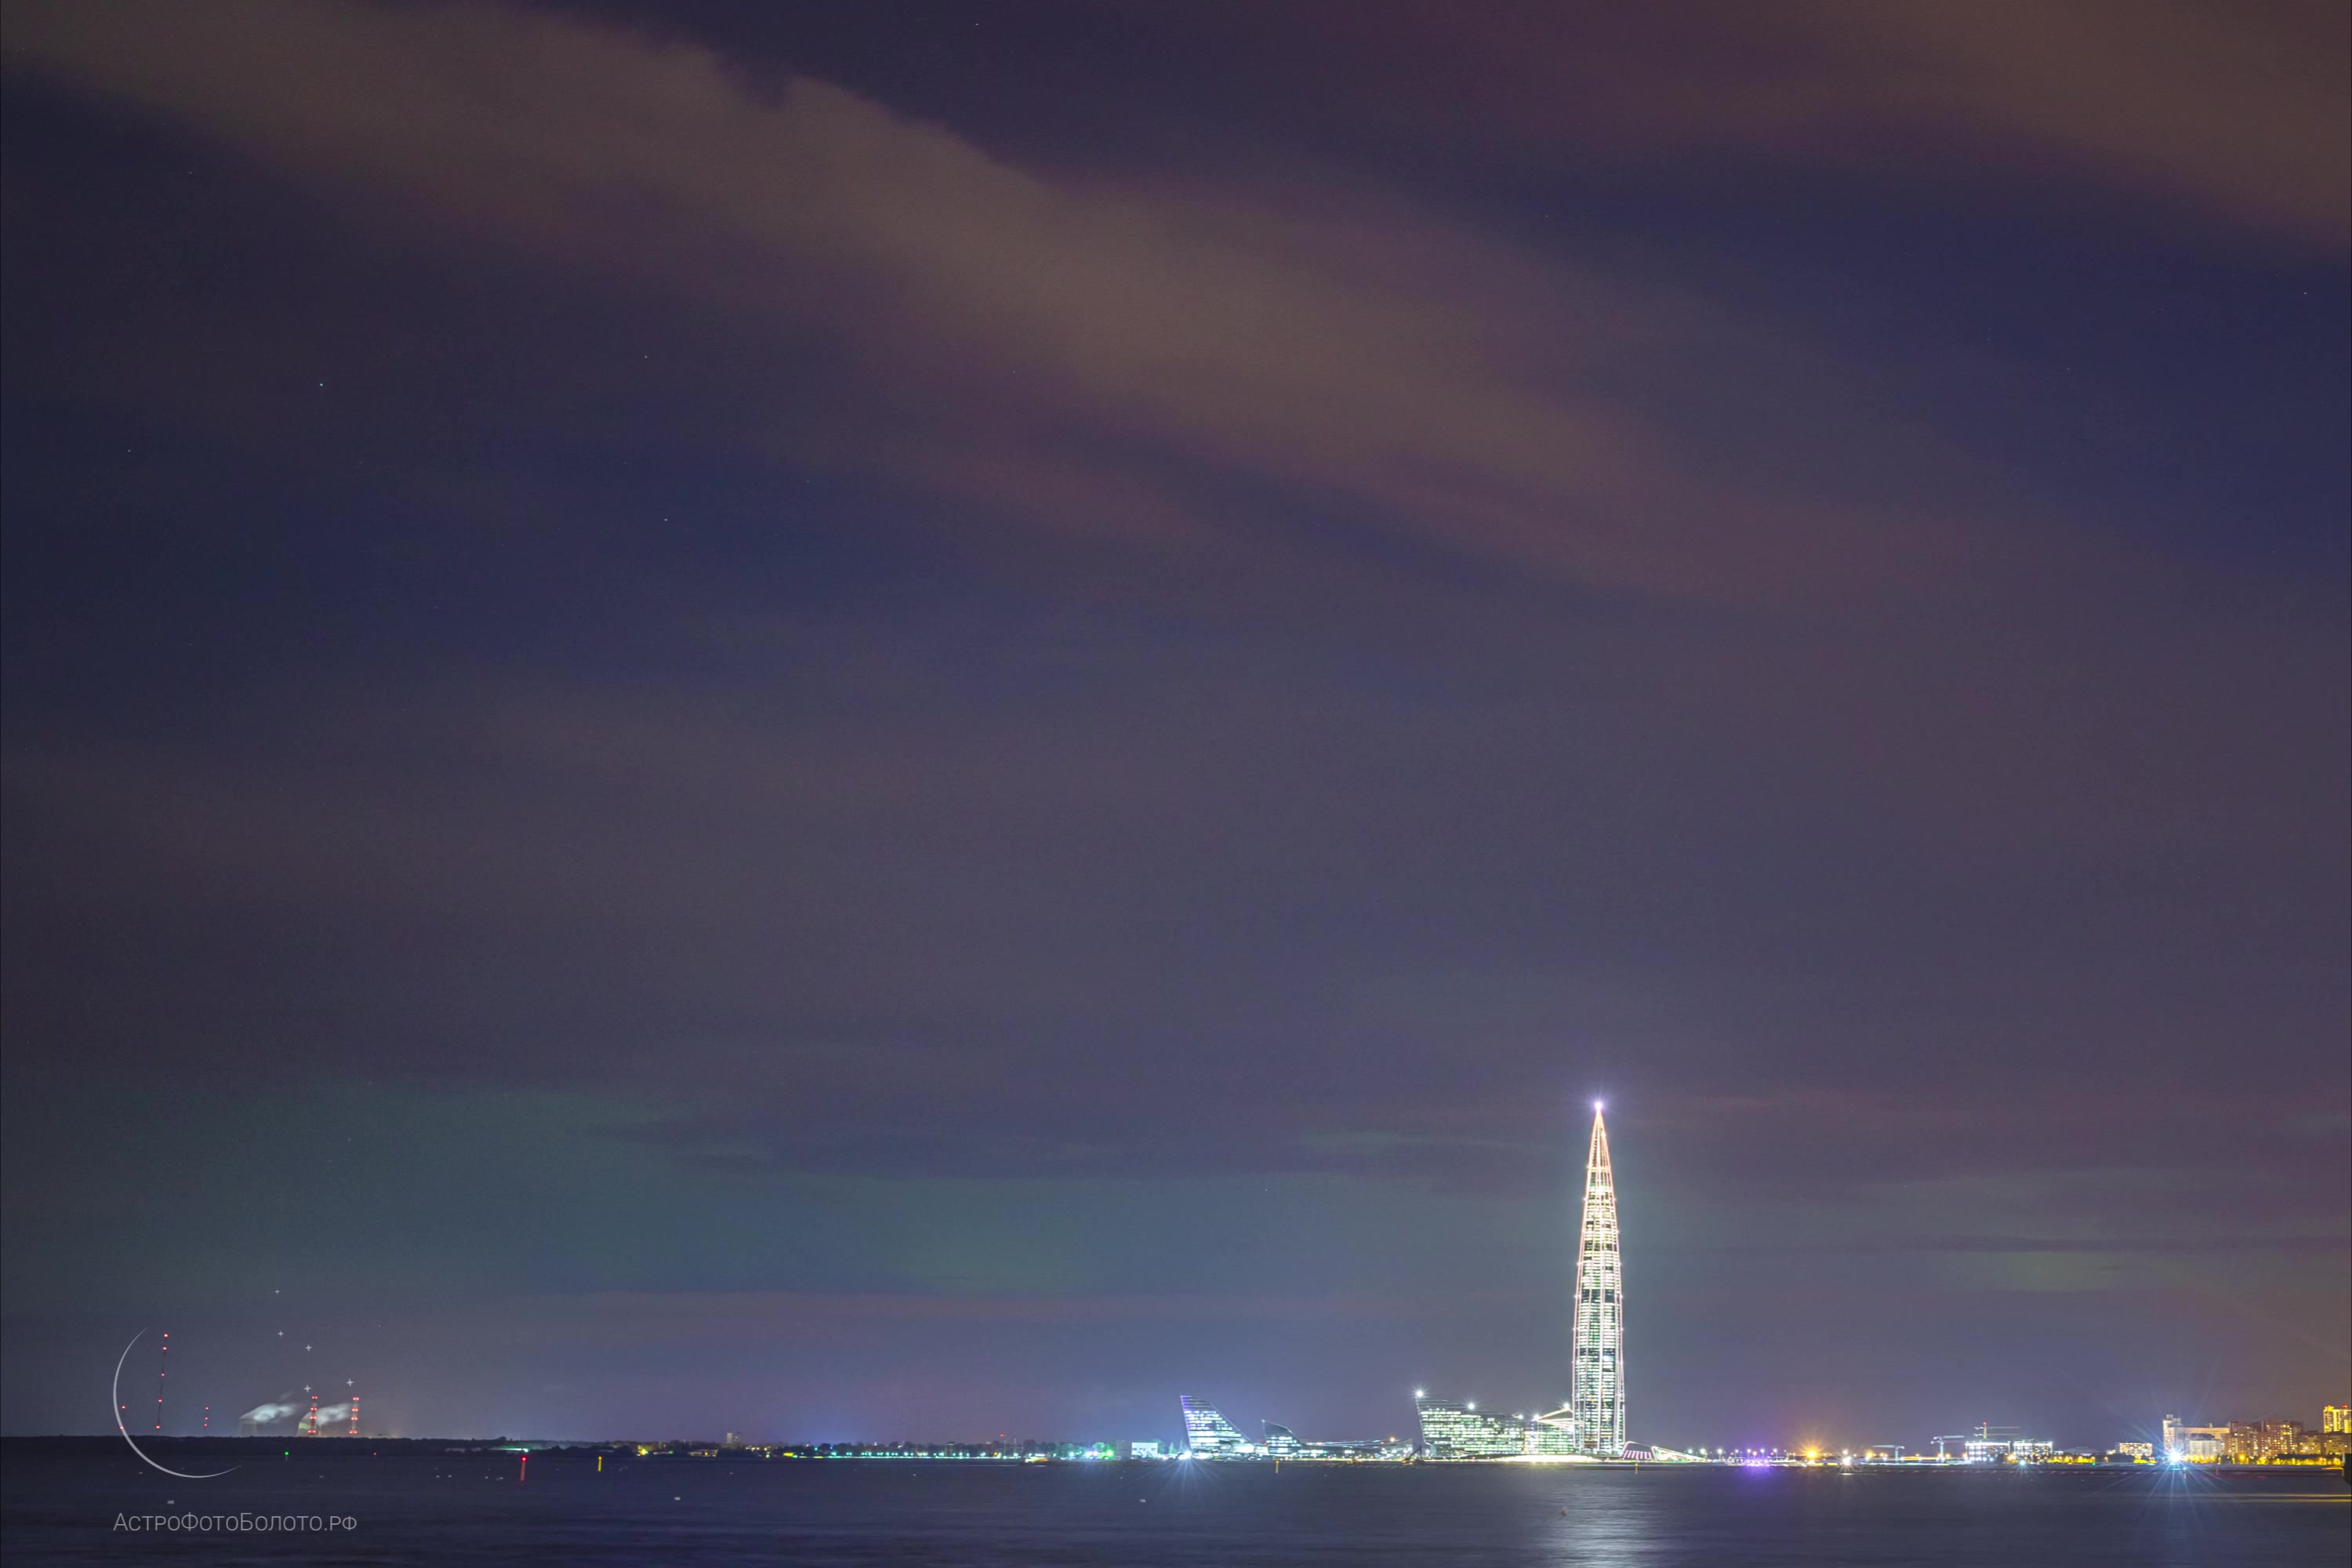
1590,1426
1461,1430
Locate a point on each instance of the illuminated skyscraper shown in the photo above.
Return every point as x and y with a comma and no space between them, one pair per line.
1598,1373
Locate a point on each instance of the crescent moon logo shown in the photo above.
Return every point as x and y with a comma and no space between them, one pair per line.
126,1431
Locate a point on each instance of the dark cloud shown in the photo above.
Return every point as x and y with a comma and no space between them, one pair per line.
850,888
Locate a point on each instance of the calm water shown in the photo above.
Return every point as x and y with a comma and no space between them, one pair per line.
466,1510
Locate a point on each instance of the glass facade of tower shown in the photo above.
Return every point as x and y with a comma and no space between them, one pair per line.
1598,1394
1209,1435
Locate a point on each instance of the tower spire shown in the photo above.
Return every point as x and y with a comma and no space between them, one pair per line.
1598,1367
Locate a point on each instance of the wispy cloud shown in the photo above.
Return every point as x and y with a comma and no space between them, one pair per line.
1104,359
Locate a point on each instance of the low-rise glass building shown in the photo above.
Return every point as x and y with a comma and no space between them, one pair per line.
1454,1430
1209,1435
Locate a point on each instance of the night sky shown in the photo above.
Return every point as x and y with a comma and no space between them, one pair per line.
920,720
